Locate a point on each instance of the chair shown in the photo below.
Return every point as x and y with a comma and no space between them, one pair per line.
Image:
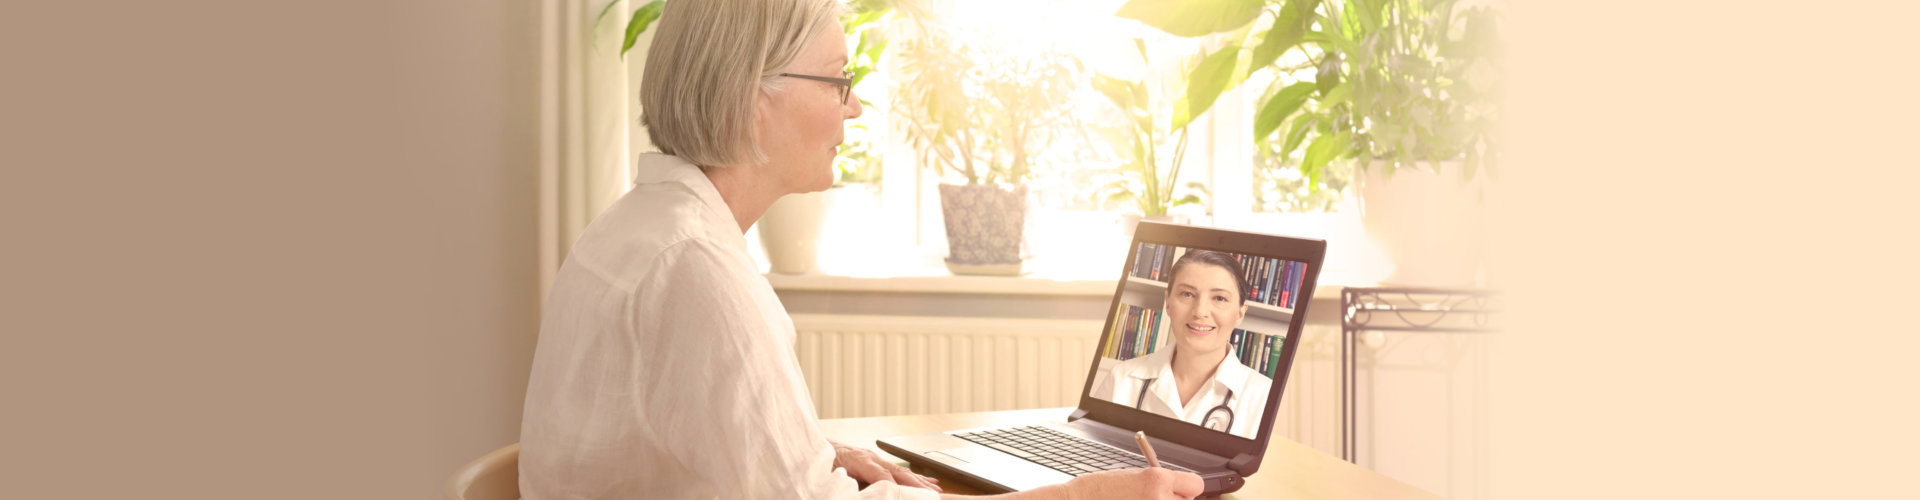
494,476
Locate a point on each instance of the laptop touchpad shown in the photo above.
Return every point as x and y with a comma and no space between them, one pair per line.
945,458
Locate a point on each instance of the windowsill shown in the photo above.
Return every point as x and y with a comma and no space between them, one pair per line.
938,280
1059,270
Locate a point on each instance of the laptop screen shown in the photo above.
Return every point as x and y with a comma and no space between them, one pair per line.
1199,335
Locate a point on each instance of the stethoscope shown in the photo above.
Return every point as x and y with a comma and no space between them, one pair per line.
1220,418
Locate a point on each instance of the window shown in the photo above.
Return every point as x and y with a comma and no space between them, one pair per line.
887,221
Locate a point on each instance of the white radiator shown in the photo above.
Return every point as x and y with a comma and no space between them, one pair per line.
871,366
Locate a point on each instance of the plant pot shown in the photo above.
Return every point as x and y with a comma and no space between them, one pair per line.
790,232
1430,225
986,228
1131,221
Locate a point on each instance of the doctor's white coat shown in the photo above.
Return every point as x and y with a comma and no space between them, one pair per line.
1153,373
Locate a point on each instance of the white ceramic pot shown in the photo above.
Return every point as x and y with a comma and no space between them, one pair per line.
790,232
1431,226
1130,221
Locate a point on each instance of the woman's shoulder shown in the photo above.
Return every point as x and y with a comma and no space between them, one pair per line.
631,241
1144,366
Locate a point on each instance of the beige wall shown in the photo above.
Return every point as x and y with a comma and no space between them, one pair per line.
259,250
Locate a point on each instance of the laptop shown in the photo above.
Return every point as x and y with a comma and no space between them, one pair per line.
1215,424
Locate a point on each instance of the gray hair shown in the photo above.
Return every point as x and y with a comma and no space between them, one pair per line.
709,58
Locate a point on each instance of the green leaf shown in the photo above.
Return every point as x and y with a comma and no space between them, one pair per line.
1336,95
1295,17
875,48
1331,42
1118,138
1323,150
1327,76
603,14
1368,14
642,18
1279,107
1191,18
1297,134
1116,90
1181,117
1213,76
862,19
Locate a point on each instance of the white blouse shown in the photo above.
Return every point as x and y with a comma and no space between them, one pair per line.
1148,382
665,366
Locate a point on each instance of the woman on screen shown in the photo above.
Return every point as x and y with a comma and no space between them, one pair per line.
1199,379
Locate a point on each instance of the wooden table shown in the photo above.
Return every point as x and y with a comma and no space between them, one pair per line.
1290,470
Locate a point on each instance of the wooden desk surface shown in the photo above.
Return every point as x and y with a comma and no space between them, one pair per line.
1290,470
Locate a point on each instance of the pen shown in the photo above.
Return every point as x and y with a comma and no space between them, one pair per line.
1146,448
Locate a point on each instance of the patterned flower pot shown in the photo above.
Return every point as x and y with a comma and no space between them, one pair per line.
986,227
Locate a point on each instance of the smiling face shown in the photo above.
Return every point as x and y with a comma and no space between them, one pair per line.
1203,306
802,124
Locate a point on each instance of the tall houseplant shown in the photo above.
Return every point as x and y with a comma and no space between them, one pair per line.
1388,84
980,118
1399,81
1147,177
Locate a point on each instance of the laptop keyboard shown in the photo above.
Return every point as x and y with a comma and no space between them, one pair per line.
1060,451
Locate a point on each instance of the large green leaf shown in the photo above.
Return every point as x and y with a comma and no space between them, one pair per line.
1368,14
1298,133
642,18
1295,18
1192,18
1116,90
1338,94
1213,76
1279,107
1323,150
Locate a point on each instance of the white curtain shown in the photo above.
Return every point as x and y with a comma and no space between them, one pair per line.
586,121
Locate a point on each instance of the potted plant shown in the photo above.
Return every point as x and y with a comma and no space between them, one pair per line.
980,118
1387,84
1147,177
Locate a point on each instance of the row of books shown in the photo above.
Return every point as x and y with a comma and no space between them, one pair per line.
1270,281
1258,351
1153,260
1136,333
1273,281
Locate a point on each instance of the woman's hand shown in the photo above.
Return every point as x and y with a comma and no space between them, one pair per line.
866,466
1150,483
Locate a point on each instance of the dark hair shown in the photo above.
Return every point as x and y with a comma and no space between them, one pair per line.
1209,257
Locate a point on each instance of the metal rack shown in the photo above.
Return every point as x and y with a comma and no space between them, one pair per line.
1436,310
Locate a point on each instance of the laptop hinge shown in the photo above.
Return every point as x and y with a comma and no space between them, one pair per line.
1078,413
1240,462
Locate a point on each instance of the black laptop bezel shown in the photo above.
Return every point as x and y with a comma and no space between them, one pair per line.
1312,252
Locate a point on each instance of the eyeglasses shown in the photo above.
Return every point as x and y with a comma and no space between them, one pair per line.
846,84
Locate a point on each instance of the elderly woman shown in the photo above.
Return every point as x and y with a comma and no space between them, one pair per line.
665,366
1200,380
